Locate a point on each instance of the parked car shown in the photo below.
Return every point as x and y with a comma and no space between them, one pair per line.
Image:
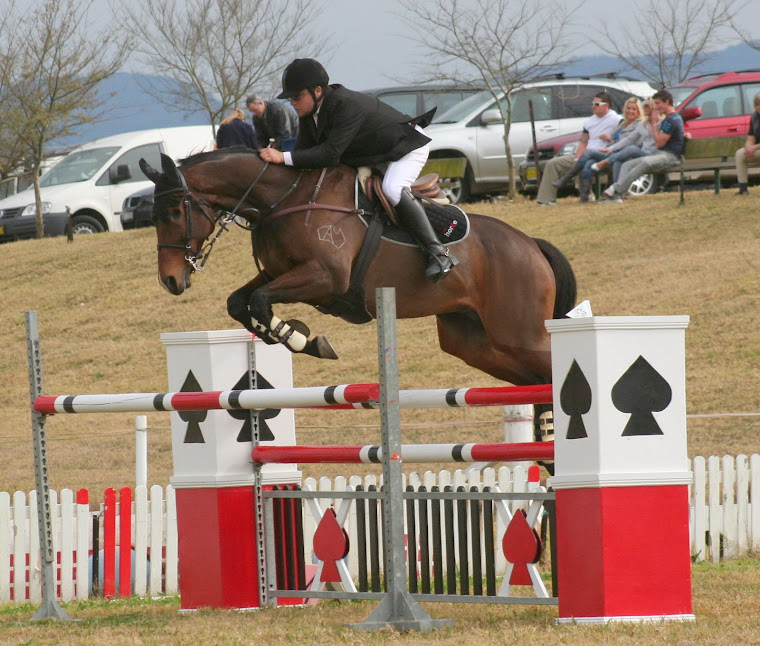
712,105
473,129
93,180
137,210
418,99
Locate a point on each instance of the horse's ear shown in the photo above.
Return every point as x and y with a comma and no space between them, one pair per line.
170,170
151,173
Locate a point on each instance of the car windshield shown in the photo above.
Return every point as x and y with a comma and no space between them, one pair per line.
463,108
78,166
681,92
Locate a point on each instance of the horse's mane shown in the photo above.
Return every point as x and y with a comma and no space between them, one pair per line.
197,158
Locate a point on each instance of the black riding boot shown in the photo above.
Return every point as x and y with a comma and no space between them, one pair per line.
411,215
567,177
585,189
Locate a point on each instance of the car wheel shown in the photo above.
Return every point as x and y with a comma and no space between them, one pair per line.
458,188
85,224
643,185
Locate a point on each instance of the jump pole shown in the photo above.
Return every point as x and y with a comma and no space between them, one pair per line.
397,609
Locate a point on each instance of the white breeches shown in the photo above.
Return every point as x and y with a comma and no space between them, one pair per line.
403,172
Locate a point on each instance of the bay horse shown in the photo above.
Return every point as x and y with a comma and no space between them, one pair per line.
306,233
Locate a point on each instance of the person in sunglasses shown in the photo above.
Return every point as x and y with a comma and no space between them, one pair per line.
559,170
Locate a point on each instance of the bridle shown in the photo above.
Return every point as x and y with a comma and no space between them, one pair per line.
197,259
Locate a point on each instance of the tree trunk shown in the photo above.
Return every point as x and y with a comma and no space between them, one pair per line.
40,233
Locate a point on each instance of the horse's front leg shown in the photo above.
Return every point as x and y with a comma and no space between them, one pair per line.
239,304
302,284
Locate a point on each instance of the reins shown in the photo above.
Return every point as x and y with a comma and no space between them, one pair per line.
198,259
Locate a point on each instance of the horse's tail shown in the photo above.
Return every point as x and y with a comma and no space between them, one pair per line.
564,278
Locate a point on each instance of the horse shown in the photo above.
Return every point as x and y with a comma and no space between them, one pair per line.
307,234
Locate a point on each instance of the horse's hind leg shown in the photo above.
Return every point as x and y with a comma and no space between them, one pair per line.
462,334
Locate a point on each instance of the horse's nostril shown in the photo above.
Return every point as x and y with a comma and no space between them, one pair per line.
171,284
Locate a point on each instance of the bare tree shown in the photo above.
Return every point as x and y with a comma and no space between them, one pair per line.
744,33
50,66
216,51
496,44
666,40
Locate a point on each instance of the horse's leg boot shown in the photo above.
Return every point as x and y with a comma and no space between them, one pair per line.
411,215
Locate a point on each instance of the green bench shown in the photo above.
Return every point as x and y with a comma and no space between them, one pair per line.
450,170
711,154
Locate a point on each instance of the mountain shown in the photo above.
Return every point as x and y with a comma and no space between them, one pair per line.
128,107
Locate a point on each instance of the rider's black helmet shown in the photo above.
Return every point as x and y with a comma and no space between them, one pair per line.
301,74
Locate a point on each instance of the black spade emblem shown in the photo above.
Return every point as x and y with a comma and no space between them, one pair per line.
193,434
244,415
641,391
575,400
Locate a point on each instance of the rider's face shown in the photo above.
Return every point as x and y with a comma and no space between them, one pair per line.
303,102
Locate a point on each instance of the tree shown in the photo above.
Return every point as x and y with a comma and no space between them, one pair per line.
496,44
667,40
50,66
217,51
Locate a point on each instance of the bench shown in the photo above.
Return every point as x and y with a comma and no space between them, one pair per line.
709,153
450,169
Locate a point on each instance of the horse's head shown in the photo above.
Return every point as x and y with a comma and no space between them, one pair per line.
183,223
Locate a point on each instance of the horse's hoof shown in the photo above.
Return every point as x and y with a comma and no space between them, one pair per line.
321,348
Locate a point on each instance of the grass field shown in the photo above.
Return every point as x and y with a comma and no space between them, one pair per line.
101,312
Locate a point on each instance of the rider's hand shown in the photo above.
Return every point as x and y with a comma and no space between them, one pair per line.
272,155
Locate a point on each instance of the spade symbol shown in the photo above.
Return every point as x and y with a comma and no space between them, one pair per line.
330,545
193,434
521,545
244,415
641,391
575,400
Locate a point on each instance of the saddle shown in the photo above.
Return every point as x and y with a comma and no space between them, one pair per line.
425,187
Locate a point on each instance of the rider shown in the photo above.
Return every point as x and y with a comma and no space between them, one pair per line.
340,126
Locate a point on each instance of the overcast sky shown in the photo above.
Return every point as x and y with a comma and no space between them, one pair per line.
375,47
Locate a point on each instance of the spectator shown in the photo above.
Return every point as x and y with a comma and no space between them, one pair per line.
604,120
235,131
749,155
635,143
273,120
632,116
669,139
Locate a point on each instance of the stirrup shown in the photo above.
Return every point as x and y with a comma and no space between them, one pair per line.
440,265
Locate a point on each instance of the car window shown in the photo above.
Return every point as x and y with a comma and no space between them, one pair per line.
405,102
749,90
151,153
574,101
79,166
722,101
463,108
542,104
444,100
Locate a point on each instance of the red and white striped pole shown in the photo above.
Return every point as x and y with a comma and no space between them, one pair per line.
621,469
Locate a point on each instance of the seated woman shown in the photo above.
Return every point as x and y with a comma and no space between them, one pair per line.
632,117
235,131
635,144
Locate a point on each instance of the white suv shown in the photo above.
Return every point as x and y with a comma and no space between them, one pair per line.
474,129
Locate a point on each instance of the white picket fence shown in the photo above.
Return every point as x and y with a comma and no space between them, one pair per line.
724,524
154,528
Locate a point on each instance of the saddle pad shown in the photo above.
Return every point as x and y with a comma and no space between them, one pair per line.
450,223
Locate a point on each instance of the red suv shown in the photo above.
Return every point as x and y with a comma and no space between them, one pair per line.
712,105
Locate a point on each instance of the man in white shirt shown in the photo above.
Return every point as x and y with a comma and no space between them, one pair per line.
603,121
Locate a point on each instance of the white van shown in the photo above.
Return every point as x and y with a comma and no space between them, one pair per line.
92,181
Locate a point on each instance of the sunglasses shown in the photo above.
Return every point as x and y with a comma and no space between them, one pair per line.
596,104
